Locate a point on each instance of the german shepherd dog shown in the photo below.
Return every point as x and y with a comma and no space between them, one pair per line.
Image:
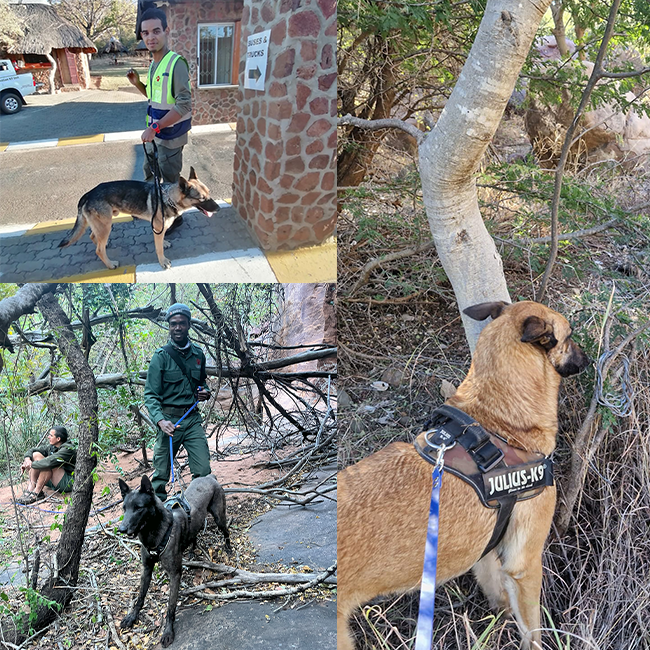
146,516
97,208
511,389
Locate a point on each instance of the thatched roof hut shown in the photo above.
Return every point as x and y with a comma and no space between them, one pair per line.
44,30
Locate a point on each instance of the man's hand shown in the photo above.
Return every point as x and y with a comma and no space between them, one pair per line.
133,77
167,427
148,135
203,395
27,464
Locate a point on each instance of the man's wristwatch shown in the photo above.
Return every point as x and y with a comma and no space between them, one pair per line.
155,127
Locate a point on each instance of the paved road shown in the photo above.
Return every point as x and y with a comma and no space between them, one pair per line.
73,114
43,185
291,535
46,184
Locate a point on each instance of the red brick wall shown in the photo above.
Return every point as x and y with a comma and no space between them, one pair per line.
209,105
285,156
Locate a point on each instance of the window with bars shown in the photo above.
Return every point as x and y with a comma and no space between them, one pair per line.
216,49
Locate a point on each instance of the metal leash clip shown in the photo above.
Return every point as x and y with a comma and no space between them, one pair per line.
440,464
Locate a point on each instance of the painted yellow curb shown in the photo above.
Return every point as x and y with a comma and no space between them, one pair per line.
310,264
83,139
120,274
233,125
3,145
66,224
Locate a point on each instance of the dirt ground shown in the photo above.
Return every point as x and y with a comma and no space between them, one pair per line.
231,472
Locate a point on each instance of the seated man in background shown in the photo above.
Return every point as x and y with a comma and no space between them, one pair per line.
49,465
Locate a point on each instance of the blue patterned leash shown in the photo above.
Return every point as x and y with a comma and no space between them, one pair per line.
428,588
171,450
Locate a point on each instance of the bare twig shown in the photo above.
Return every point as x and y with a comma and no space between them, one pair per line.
391,257
377,125
596,75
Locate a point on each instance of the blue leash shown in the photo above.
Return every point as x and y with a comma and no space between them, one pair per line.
171,450
428,588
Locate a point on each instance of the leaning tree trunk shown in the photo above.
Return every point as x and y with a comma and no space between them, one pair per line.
450,155
13,307
52,73
60,585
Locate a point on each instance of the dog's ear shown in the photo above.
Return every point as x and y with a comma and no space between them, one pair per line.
485,309
124,488
145,485
537,330
182,183
193,175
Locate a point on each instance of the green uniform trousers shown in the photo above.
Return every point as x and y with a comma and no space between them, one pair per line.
191,435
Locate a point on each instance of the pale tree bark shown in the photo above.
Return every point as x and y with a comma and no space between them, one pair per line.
559,30
451,153
22,302
52,72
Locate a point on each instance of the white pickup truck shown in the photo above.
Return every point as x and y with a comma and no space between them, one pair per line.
14,87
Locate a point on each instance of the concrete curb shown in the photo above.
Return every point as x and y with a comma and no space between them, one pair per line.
106,137
309,264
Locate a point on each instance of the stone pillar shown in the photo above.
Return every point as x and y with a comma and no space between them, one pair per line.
284,183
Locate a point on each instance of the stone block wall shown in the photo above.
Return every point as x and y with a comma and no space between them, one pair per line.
209,105
284,183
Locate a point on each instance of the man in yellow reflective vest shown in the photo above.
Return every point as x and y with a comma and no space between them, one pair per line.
169,114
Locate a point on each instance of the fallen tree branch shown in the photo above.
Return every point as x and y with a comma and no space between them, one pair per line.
315,580
284,494
570,236
112,380
391,257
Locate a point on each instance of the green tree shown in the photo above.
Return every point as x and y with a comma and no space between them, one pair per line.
96,18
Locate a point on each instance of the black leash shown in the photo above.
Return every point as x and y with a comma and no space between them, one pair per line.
158,193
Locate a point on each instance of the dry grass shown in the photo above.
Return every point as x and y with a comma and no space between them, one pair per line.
113,77
401,326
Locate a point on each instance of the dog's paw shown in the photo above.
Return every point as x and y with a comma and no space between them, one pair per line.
128,620
167,244
113,265
165,263
167,638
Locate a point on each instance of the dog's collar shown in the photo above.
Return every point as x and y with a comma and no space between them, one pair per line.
168,201
160,549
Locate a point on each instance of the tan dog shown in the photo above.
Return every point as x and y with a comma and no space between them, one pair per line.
97,208
383,501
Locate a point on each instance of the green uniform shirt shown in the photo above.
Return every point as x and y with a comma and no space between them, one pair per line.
65,456
167,386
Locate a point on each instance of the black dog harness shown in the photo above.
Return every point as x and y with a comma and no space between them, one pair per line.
500,474
178,501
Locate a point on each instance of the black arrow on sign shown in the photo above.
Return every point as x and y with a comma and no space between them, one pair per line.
255,73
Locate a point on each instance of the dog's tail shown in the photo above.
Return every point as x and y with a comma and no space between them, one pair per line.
80,225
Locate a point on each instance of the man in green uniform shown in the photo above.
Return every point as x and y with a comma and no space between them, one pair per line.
175,373
49,465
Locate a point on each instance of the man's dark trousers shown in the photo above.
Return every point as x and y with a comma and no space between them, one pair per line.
191,435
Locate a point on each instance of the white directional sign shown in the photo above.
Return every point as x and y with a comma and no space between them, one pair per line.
256,57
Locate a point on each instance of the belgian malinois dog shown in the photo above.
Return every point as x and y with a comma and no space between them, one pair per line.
511,389
97,208
165,534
